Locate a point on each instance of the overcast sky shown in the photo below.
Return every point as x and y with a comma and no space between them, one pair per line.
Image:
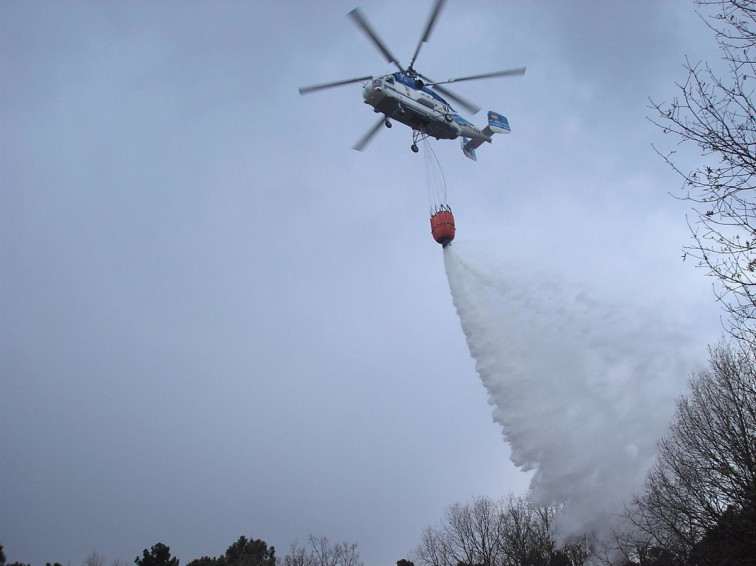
217,319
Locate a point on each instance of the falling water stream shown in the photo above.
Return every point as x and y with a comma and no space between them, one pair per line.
582,385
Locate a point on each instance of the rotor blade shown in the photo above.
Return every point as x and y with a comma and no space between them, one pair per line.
360,20
313,88
360,145
428,28
466,104
507,73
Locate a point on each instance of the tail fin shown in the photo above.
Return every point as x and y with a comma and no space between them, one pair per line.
467,150
497,124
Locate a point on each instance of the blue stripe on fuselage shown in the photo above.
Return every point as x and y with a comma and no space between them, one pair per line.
412,83
460,120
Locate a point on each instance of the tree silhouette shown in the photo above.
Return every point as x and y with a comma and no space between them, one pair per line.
158,555
700,496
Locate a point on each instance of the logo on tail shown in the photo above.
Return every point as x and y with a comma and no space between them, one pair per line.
498,123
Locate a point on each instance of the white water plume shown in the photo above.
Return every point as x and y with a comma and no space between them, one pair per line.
582,383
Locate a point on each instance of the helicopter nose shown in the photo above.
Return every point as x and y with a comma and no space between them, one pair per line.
370,90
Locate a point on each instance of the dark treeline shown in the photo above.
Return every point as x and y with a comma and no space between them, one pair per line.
482,532
244,552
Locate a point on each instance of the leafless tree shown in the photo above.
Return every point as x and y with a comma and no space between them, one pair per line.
94,558
470,533
527,531
508,532
714,110
321,552
298,556
704,480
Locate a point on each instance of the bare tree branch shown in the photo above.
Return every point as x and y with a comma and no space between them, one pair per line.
718,115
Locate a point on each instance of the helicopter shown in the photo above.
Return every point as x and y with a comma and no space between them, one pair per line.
411,98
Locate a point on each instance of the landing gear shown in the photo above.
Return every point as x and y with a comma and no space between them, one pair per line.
417,135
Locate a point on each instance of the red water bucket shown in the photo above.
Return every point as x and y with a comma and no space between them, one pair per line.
442,227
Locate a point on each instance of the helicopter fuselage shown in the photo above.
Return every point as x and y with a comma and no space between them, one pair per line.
411,98
401,97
